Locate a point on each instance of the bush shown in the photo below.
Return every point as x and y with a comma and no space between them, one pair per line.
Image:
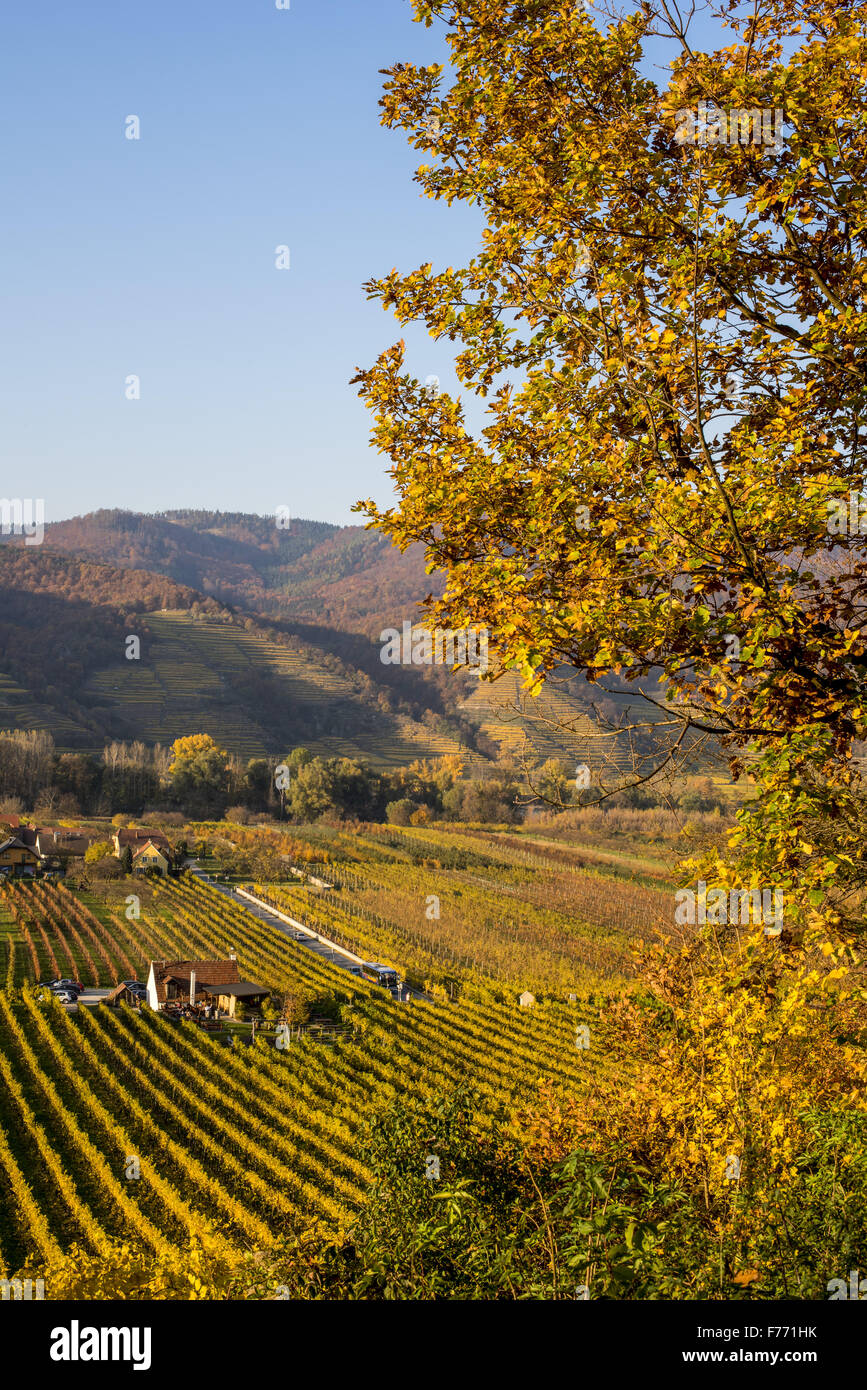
400,812
100,849
701,796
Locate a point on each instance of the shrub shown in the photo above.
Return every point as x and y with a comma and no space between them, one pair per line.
100,849
107,868
400,812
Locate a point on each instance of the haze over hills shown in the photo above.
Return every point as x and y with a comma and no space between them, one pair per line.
264,637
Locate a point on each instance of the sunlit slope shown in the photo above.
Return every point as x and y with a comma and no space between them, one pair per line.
252,695
555,724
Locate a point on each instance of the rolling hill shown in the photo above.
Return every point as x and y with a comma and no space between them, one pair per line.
264,638
257,685
340,577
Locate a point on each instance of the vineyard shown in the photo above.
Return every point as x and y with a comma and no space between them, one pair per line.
192,663
439,901
551,725
120,1126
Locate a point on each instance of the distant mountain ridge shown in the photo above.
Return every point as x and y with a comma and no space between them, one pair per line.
344,577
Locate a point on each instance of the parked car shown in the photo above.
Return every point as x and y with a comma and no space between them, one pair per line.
71,986
66,996
48,984
134,985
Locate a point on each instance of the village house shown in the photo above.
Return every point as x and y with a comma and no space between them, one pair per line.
150,857
201,982
48,848
17,856
73,843
150,850
136,838
59,846
46,844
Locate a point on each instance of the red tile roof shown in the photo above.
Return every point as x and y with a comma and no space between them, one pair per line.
147,843
208,972
137,839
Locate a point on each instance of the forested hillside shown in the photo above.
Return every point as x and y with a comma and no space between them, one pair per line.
257,685
340,577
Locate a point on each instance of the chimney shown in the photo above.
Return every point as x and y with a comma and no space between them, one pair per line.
192,986
232,956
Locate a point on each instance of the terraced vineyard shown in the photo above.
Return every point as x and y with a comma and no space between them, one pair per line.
413,741
189,670
551,725
241,1145
20,710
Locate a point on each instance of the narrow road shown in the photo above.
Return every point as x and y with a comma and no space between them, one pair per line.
321,946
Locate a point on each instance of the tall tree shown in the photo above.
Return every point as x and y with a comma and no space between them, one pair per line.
685,325
667,331
199,771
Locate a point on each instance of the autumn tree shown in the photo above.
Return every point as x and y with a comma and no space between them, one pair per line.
99,849
198,771
669,335
665,331
694,377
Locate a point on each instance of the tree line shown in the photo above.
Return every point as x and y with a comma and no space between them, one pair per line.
199,778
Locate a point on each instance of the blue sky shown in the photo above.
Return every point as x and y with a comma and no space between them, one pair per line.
155,257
